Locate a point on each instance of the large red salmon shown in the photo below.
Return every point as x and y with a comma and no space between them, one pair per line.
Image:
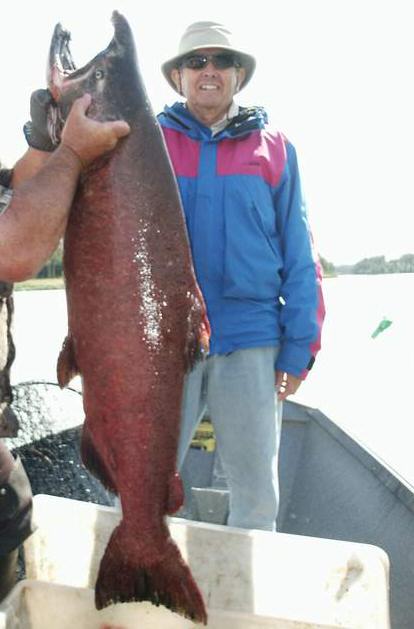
136,318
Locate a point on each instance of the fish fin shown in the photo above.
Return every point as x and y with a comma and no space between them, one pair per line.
204,333
67,367
198,343
94,462
166,581
9,424
175,494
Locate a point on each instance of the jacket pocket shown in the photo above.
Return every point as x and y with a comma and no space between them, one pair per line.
252,257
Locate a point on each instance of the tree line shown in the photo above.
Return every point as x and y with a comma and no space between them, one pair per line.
372,266
375,265
54,266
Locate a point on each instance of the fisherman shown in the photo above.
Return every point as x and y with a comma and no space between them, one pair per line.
35,199
254,261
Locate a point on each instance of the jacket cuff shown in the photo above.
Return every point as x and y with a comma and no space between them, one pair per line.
295,360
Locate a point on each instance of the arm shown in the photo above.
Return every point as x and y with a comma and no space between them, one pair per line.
302,311
33,223
44,186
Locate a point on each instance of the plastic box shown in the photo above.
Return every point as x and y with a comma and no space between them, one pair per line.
250,579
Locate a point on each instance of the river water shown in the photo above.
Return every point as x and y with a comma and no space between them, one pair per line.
365,385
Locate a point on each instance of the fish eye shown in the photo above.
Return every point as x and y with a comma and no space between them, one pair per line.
99,74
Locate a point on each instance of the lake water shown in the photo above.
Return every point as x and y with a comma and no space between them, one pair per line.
365,385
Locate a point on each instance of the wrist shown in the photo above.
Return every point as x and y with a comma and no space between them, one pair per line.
71,154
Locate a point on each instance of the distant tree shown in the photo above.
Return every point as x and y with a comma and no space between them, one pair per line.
371,265
378,264
406,263
54,266
327,267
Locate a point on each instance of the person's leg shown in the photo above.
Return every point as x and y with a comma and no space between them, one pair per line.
192,409
15,516
8,572
241,398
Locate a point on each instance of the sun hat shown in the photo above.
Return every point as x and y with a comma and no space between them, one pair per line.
201,35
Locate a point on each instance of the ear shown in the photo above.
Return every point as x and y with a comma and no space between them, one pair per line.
241,75
176,79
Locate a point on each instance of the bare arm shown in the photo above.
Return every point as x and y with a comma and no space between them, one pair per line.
44,186
35,220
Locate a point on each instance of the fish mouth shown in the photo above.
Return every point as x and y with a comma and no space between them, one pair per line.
65,80
61,66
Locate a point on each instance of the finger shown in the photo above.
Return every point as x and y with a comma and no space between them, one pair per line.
120,128
280,375
82,104
285,387
281,391
40,98
282,395
44,97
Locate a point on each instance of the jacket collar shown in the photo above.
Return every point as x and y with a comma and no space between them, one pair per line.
248,119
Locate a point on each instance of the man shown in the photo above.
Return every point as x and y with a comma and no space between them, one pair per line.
35,199
254,261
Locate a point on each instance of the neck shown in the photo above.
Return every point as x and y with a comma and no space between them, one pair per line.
208,117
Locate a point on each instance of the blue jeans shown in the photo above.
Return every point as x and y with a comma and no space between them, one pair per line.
239,391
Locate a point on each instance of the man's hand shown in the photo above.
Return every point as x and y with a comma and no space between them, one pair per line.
88,138
35,130
286,384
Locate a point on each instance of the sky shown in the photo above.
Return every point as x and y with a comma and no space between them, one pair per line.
334,75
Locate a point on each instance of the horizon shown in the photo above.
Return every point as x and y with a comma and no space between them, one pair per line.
331,75
379,255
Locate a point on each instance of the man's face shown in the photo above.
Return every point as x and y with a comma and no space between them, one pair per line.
209,90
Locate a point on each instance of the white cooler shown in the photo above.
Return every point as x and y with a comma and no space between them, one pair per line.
249,579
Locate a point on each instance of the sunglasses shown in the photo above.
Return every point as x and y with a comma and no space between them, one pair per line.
221,61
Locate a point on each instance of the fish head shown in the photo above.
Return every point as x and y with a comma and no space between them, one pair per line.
111,78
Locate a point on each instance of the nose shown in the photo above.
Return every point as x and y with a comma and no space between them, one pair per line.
209,68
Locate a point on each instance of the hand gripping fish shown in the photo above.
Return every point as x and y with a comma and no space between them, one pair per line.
136,321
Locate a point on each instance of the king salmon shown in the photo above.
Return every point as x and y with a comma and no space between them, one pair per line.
136,322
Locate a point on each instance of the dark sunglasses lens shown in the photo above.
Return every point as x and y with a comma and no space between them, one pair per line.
195,62
222,61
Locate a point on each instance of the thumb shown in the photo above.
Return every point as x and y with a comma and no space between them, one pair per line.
82,104
120,128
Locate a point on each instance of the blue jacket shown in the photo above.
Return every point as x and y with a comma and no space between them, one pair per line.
249,235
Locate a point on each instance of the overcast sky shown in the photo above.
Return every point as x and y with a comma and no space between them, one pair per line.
334,75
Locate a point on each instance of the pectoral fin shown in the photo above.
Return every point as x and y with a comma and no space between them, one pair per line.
67,367
9,424
95,463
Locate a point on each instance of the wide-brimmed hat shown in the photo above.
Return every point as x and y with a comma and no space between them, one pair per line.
208,35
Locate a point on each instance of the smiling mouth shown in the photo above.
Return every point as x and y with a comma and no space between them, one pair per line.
208,87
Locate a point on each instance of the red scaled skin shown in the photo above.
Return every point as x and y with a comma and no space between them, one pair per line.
135,319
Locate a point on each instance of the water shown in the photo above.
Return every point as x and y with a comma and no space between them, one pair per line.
365,385
40,326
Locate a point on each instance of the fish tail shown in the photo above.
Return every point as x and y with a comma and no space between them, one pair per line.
165,580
